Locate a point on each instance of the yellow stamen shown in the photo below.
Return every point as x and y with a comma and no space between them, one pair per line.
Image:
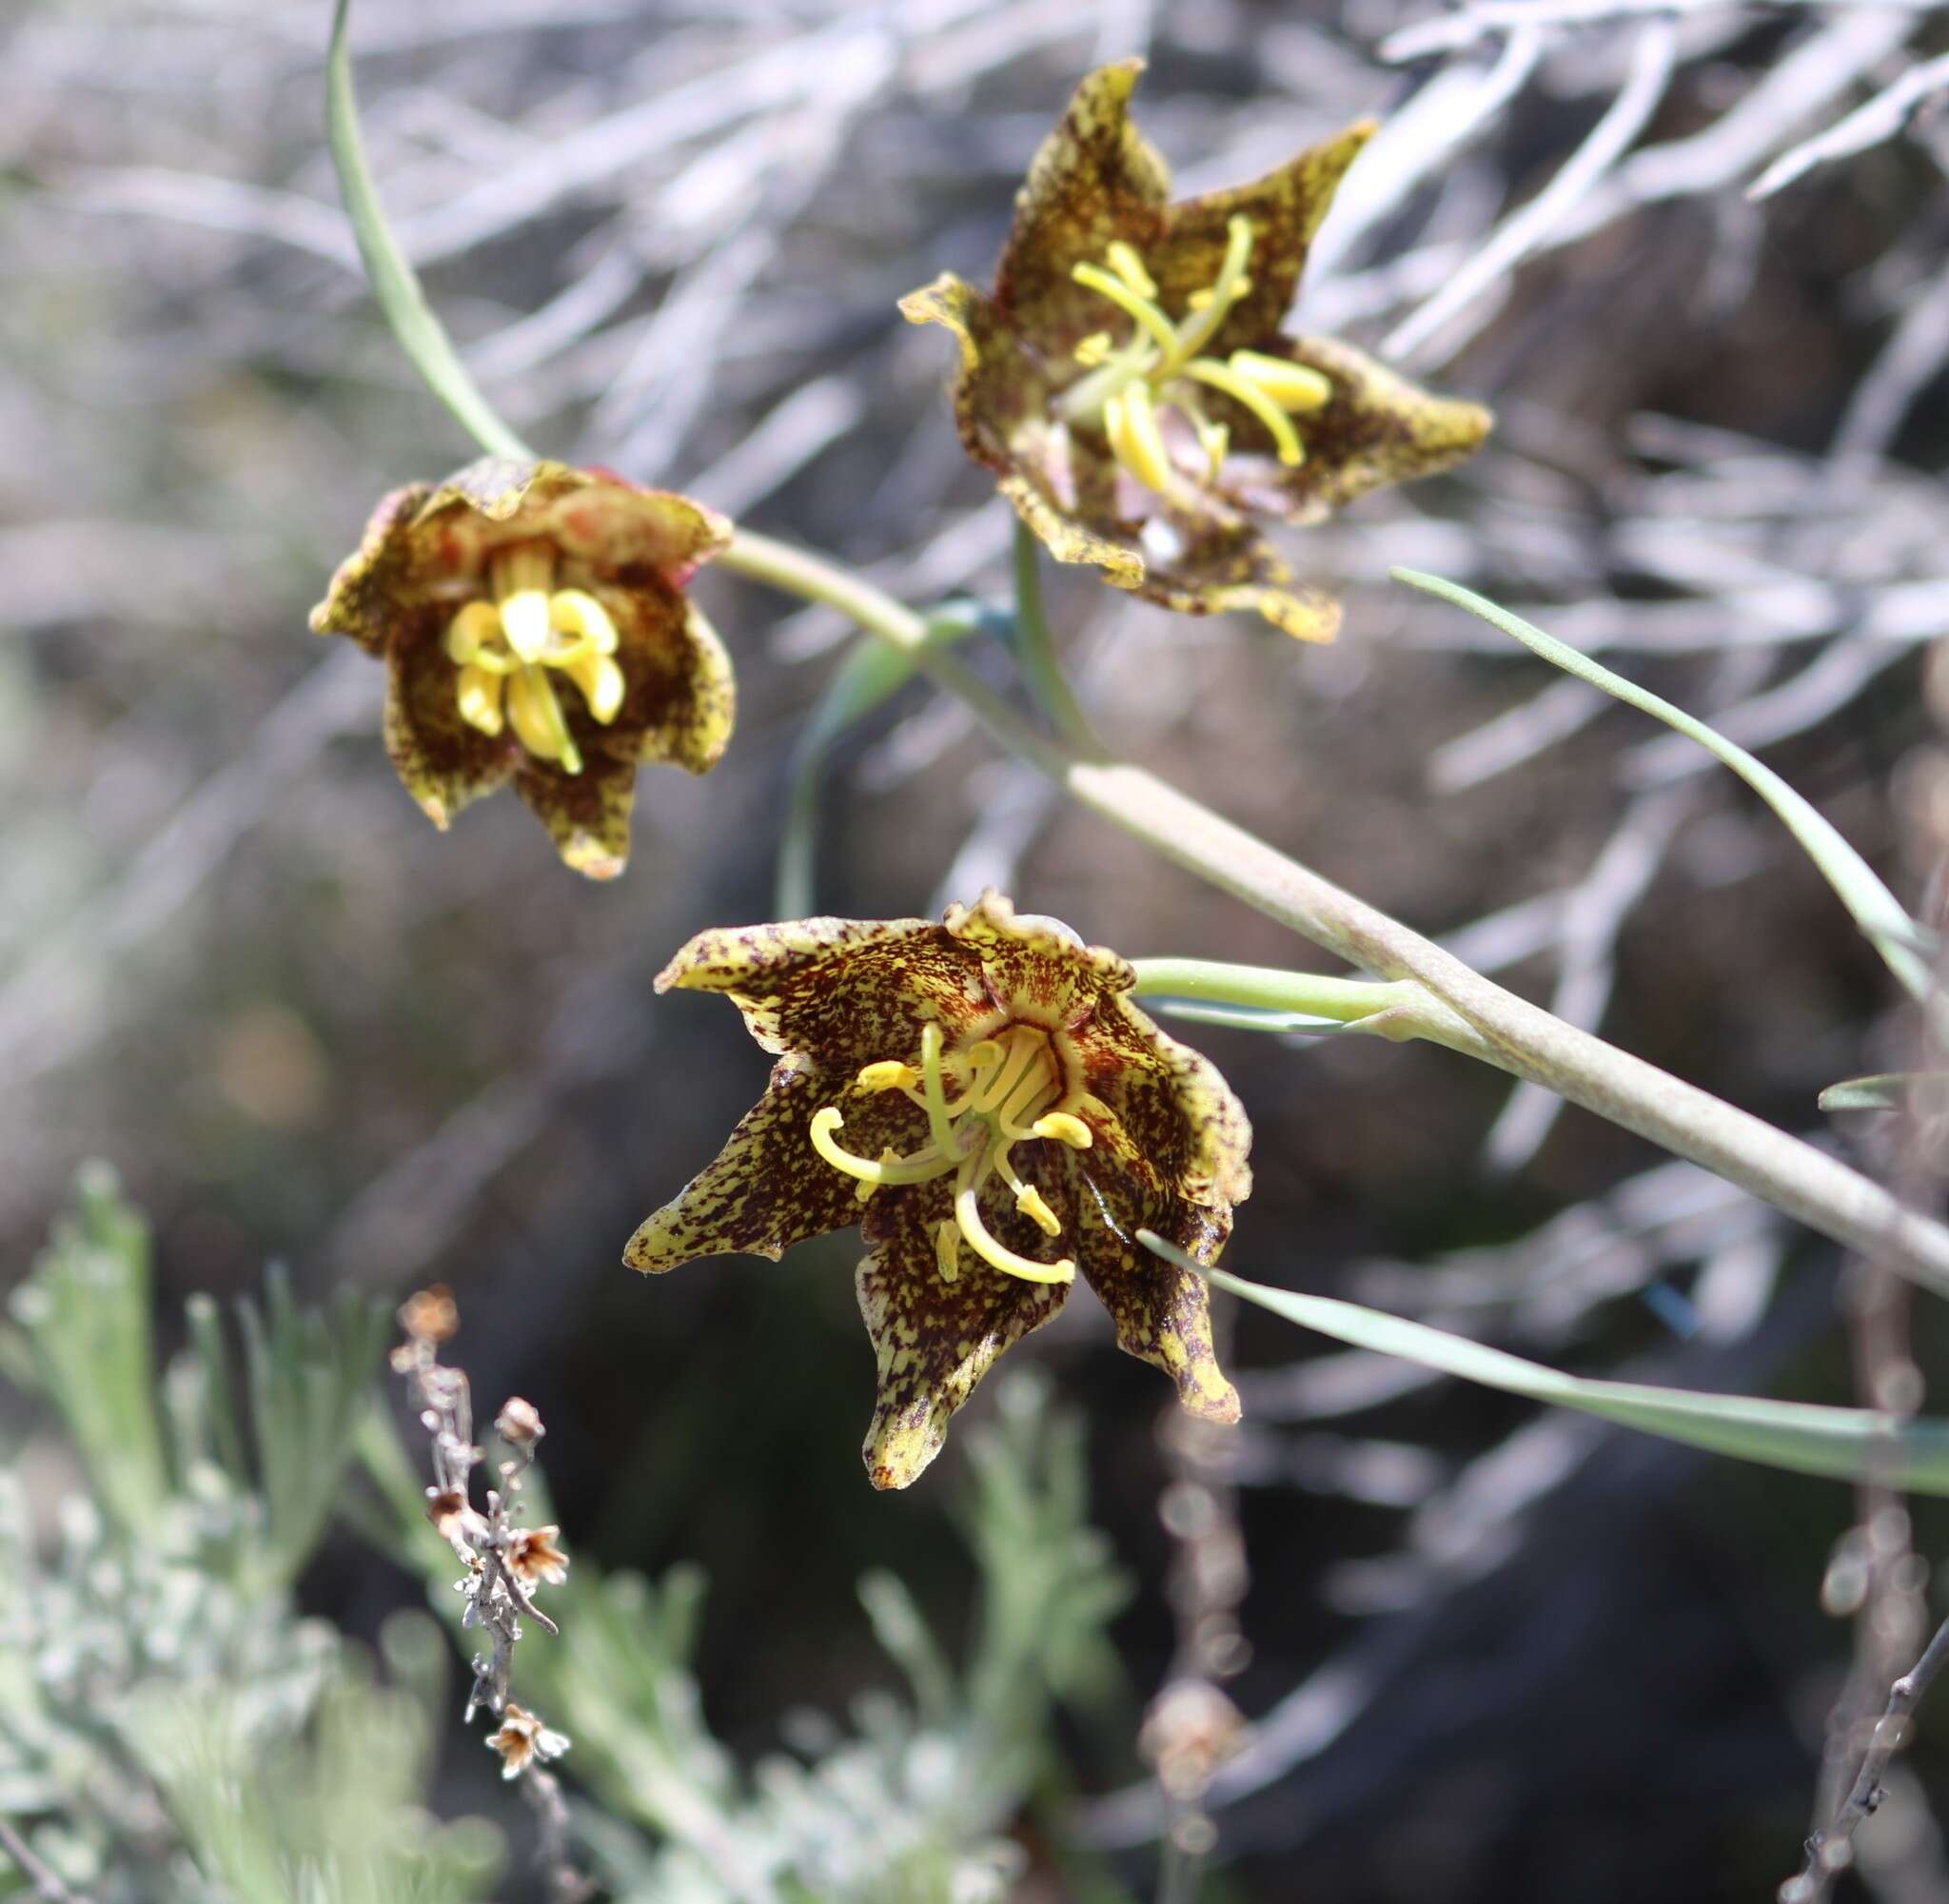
1129,268
968,1216
1202,301
947,1249
1131,423
1028,1201
1291,451
888,1074
1094,349
536,717
601,684
521,578
938,1122
1293,386
1063,1128
892,1169
574,611
1133,306
1202,325
480,700
476,626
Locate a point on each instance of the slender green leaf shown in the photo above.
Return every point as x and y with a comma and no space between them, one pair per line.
870,676
1885,1090
395,283
1807,1438
1875,911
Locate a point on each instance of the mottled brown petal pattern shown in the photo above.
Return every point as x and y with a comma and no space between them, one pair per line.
431,549
362,599
1036,964
443,763
1286,208
1225,567
768,1188
933,1340
846,992
1379,429
1162,1312
1095,178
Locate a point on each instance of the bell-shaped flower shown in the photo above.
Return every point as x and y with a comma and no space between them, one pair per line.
1128,381
985,1100
535,628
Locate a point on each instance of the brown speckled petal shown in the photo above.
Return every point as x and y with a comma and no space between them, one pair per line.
373,587
846,992
768,1188
934,1340
443,763
587,814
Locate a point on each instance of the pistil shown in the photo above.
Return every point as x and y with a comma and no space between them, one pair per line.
1011,1082
1158,366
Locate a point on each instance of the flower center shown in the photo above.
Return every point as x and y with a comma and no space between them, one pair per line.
508,649
1162,364
1010,1085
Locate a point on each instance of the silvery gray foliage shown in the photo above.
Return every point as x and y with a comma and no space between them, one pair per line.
170,1728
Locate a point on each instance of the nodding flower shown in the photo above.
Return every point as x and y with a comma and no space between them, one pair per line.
982,1097
535,629
1128,381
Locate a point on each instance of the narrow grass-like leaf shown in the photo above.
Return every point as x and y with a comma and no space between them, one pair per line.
1807,1438
395,283
870,676
1876,909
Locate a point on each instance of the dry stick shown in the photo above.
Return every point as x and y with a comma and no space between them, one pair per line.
1467,1012
48,1885
1830,1850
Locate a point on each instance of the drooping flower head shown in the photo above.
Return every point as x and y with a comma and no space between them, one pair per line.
1129,384
535,629
984,1099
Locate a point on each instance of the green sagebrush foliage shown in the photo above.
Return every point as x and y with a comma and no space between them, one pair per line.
172,1729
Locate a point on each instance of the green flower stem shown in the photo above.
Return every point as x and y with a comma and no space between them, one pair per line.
1400,1011
395,283
1489,1023
1035,649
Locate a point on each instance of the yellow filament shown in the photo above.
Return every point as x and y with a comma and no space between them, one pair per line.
1291,451
1293,386
480,698
1129,420
968,1216
1063,1128
1133,306
1232,283
536,717
1129,268
939,1121
892,1169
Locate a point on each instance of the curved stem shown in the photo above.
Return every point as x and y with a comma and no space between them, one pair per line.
1492,1023
1035,649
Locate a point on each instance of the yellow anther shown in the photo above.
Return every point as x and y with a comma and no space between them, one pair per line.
480,700
536,717
525,621
982,1052
1094,349
947,1249
1063,1128
576,612
888,1074
1202,301
1293,386
1278,425
476,626
1028,1201
1131,302
1129,268
1129,420
601,684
